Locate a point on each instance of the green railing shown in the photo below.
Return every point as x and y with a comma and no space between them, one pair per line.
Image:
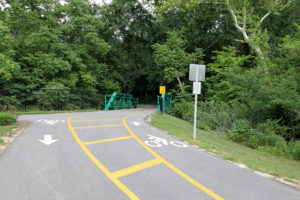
120,101
167,103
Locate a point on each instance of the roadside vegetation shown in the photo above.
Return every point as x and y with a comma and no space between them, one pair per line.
234,123
9,129
220,144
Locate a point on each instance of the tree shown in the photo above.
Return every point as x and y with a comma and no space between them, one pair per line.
7,64
247,16
130,30
171,56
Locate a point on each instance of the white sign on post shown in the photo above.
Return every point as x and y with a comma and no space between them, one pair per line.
197,73
197,88
193,72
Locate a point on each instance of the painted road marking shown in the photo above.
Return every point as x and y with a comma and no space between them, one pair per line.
136,123
47,140
108,140
115,180
51,122
96,120
195,183
84,127
154,141
136,168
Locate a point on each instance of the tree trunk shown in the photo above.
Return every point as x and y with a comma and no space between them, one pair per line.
180,84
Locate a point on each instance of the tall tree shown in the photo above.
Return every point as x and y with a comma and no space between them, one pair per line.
7,64
129,28
248,17
173,59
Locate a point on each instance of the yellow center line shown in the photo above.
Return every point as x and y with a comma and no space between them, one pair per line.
116,181
136,168
96,120
83,127
108,140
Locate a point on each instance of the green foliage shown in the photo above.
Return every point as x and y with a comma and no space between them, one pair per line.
8,66
241,132
226,75
183,110
7,119
295,148
179,96
173,59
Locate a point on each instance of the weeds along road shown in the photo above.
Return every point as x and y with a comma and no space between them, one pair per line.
117,155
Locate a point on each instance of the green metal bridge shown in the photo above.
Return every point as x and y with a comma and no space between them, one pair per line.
120,101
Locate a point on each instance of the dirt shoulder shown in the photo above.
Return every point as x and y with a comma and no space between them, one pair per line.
9,133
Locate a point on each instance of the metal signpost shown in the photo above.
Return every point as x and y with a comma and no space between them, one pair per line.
162,91
197,73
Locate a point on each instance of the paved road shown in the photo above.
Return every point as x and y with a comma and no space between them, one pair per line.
116,155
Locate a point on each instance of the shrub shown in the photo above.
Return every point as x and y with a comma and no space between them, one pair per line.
254,141
274,140
7,118
241,131
206,121
183,110
257,140
295,150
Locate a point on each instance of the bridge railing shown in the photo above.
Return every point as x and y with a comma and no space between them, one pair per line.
120,101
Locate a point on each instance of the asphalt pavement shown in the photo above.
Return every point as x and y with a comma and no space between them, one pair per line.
114,155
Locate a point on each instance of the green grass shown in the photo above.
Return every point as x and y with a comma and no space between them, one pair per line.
219,144
10,129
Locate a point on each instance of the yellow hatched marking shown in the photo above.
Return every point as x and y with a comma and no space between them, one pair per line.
116,181
183,175
96,120
108,140
136,168
114,176
83,127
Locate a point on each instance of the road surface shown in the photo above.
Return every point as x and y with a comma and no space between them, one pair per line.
114,155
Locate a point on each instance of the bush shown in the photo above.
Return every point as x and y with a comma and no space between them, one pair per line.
274,140
241,132
7,118
183,110
295,150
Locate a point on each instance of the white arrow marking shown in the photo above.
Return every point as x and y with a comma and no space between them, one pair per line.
136,123
47,140
51,122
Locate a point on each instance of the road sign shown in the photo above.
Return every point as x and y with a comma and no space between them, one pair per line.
197,88
196,73
193,72
162,90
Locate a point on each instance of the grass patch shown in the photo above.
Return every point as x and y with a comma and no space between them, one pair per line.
220,144
10,130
